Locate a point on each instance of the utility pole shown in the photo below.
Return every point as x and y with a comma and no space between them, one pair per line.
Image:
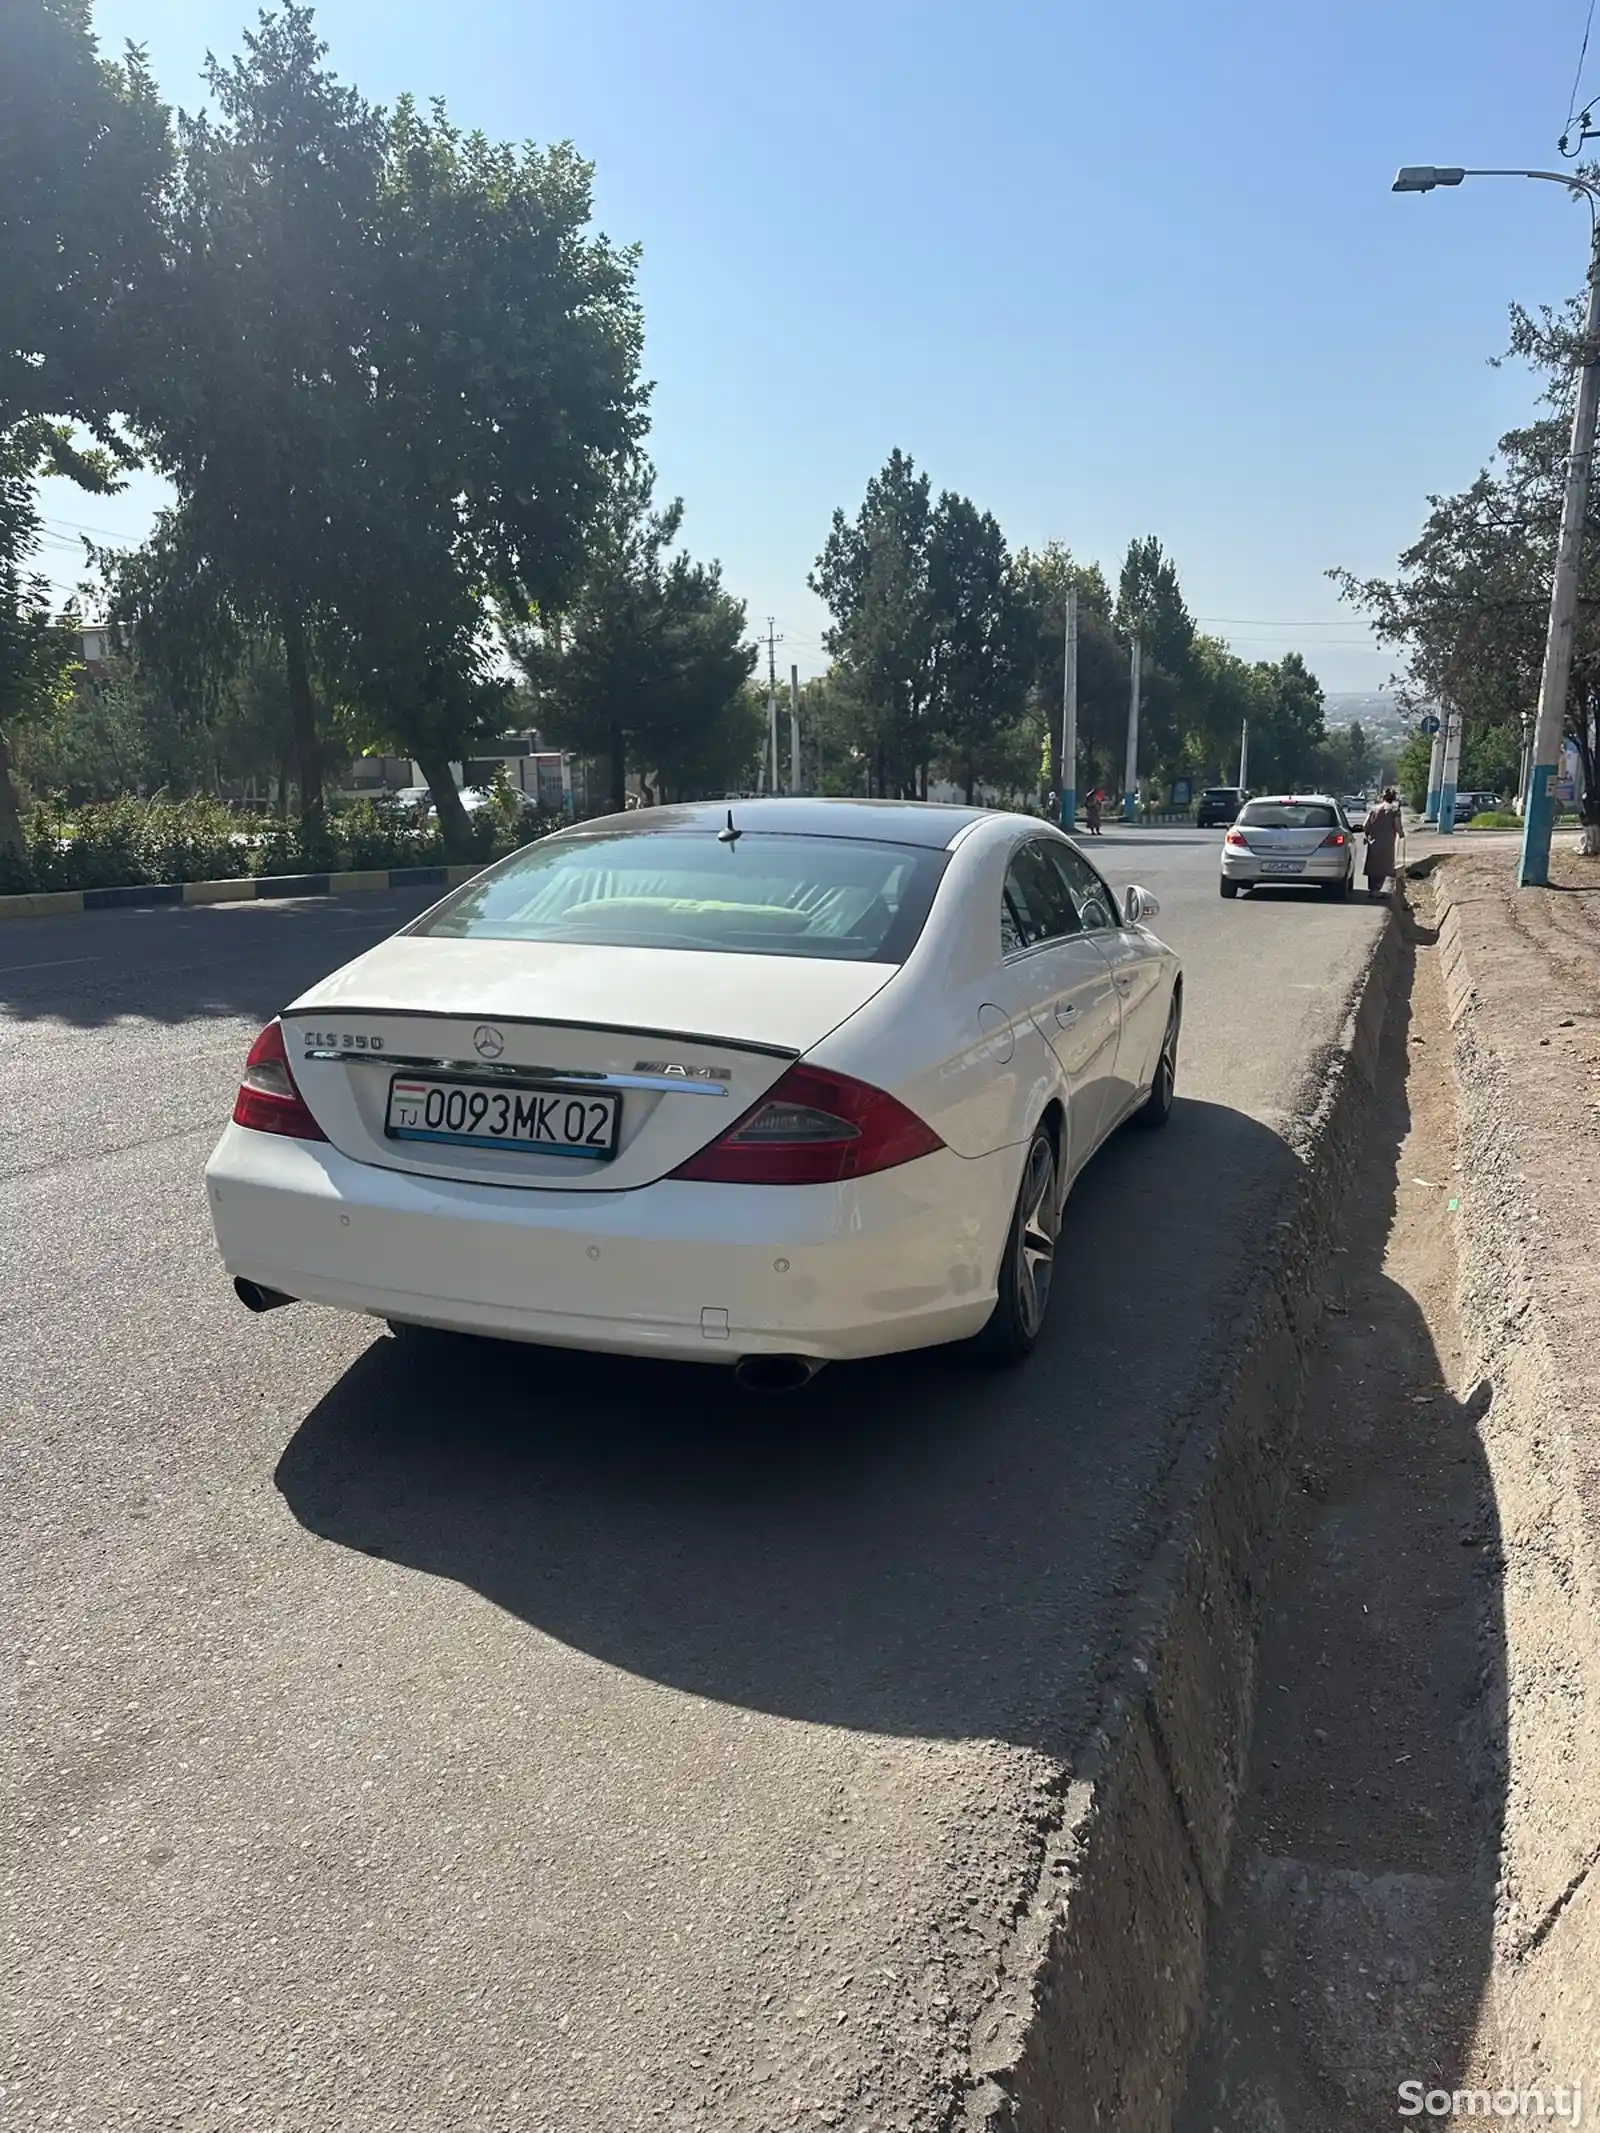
1244,754
1069,717
773,642
1538,817
1430,812
1523,762
1130,775
1452,770
794,729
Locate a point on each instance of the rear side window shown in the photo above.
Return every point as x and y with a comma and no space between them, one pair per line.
1036,906
1289,815
1093,902
838,899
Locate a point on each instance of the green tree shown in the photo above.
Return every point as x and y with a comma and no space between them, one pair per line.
1046,578
401,372
1151,607
981,639
264,409
84,154
39,651
873,575
1467,605
1288,738
1411,769
647,661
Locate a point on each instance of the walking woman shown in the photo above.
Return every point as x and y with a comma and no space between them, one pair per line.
1091,812
1383,832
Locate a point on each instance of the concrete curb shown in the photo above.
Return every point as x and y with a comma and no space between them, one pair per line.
245,888
1099,2001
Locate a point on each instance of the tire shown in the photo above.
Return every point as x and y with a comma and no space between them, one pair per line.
1338,890
1028,1261
1156,1109
1229,888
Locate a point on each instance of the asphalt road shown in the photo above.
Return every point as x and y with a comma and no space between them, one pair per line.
533,1741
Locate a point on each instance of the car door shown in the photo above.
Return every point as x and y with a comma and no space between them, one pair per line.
1057,975
1138,972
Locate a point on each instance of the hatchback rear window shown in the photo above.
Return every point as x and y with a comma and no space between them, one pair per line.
1221,792
1289,815
841,899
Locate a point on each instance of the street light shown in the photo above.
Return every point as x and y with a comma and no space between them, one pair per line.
1538,815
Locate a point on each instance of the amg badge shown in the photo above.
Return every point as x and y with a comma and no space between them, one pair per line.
684,1073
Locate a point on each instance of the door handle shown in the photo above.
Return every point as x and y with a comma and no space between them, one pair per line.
1065,1010
1124,982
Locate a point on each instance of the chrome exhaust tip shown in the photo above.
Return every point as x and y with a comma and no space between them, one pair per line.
256,1298
774,1373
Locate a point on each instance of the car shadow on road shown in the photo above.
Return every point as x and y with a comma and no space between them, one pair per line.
915,1546
185,965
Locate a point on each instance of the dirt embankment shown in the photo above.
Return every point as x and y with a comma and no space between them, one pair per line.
1522,985
1414,1894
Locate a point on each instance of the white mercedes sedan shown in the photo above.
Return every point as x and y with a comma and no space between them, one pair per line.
770,1083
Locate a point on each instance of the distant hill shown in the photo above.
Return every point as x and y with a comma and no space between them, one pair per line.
1376,713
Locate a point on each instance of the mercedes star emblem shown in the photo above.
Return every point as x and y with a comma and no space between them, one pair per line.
487,1041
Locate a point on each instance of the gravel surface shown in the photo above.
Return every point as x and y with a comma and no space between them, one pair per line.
516,1740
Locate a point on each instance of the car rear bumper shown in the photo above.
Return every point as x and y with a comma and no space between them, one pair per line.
1318,866
905,1259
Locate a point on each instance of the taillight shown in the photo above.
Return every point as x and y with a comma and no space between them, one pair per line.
813,1128
268,1101
1334,837
1238,839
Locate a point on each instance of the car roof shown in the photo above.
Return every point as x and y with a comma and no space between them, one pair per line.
929,823
1282,799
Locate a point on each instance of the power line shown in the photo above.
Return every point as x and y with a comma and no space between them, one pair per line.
1583,53
76,526
1266,622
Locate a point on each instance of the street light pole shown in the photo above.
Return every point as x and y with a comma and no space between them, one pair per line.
1130,775
1539,809
1069,716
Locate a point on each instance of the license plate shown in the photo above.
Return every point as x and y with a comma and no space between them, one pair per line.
1282,866
560,1121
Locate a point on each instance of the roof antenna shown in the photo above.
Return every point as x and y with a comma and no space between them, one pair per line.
729,835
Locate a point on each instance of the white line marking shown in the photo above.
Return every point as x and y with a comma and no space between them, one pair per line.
56,963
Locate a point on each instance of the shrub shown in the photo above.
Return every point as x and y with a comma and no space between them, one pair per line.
130,842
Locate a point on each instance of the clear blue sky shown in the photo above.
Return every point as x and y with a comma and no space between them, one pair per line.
1109,269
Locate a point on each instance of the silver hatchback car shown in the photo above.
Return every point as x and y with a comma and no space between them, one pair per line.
1290,837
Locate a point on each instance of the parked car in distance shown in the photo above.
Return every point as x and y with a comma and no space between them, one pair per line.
1298,838
1219,805
1469,804
1356,807
474,798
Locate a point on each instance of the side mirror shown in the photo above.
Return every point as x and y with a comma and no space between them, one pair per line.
1139,906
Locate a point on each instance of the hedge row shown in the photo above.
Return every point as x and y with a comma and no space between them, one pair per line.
132,840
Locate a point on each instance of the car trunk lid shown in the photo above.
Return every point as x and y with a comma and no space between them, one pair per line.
687,1041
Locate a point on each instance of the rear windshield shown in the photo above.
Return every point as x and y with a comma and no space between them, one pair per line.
1222,792
1290,815
842,899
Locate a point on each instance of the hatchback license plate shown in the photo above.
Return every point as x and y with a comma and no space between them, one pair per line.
559,1121
1282,866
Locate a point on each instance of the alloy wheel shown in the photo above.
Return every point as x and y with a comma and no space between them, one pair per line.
1036,1237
